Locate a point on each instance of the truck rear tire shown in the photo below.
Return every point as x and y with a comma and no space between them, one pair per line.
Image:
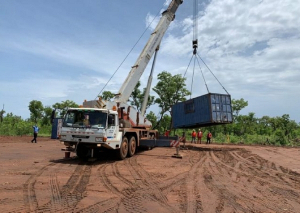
123,151
131,146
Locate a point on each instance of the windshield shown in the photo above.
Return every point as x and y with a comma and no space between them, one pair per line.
85,119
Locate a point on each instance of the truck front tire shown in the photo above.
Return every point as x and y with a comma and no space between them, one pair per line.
82,151
123,151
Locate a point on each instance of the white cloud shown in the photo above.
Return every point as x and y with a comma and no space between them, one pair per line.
252,46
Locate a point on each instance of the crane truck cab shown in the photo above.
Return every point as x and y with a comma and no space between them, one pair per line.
86,129
89,130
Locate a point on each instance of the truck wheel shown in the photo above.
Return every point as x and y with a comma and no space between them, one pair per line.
122,152
131,146
82,152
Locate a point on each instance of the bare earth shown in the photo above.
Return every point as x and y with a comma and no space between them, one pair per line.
209,178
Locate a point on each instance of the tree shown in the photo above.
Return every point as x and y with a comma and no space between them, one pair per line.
171,90
152,118
1,114
238,105
107,95
62,107
36,110
137,97
134,98
165,123
46,119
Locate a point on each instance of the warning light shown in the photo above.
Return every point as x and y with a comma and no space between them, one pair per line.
114,108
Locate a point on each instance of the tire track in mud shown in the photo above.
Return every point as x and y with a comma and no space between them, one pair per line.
56,199
110,205
61,200
290,177
75,188
220,174
29,196
234,179
267,183
147,189
193,197
180,180
136,194
106,182
230,195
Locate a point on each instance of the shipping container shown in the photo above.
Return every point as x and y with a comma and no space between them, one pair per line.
206,110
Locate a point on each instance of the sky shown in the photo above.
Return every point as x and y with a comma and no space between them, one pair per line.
58,50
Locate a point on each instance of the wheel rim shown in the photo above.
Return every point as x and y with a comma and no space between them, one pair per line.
124,147
132,146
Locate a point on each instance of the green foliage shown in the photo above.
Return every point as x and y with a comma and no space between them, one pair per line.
2,112
238,105
107,95
165,123
36,110
170,90
246,129
152,118
137,97
61,108
46,118
14,125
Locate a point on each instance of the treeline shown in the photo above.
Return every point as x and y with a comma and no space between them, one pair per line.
170,90
247,129
14,125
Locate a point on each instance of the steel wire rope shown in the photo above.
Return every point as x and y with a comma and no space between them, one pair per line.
188,66
203,75
129,53
193,77
212,74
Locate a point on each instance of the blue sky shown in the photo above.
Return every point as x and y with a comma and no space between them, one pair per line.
59,50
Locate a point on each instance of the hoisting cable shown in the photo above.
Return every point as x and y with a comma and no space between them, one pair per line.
193,77
203,76
129,53
212,74
195,40
195,27
188,66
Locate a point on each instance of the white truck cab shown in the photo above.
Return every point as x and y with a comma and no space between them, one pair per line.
91,126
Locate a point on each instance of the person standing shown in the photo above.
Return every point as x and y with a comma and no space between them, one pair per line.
199,136
209,136
193,136
35,133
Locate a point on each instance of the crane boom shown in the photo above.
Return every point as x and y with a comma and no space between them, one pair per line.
100,125
149,49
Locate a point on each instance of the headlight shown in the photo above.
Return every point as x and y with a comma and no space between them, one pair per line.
63,137
98,139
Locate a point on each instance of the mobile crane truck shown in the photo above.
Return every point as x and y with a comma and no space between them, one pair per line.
100,125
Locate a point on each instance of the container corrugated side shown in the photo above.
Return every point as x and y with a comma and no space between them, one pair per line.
205,110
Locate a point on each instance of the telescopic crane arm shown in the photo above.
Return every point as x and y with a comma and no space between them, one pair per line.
148,51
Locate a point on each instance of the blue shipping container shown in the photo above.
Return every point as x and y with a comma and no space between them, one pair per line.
206,110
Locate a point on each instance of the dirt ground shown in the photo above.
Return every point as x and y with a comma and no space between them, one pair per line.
209,178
